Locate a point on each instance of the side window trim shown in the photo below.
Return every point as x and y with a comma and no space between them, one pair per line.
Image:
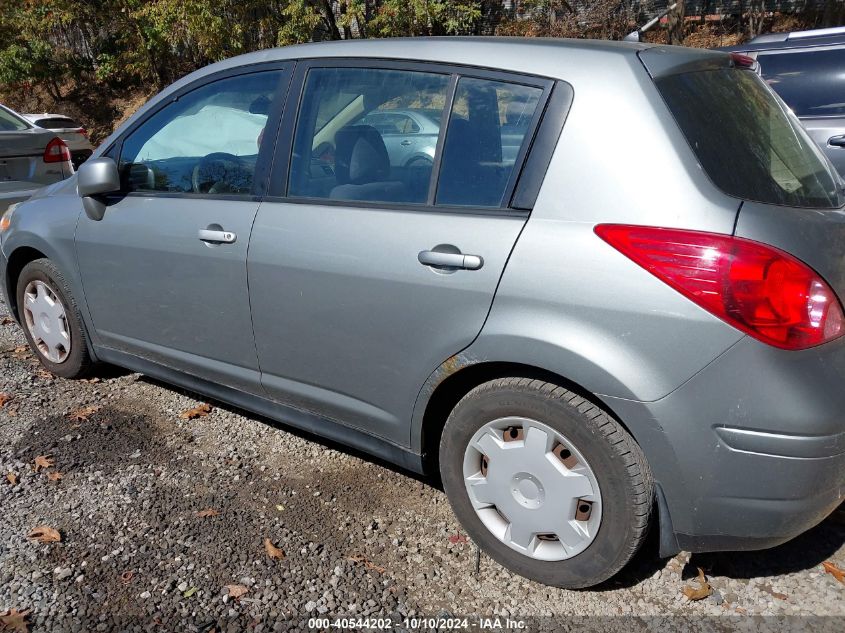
278,188
441,140
265,156
542,147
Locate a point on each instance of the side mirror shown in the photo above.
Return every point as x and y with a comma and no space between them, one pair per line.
95,178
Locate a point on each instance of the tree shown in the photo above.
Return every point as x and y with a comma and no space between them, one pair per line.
675,24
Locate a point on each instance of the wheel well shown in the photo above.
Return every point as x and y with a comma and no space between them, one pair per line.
17,260
450,391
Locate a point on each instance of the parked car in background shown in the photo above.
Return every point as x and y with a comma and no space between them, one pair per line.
409,135
580,354
807,70
30,157
72,133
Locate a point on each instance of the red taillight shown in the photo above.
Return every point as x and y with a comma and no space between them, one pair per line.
83,131
56,151
758,289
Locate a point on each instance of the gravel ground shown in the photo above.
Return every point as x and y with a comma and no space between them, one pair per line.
359,537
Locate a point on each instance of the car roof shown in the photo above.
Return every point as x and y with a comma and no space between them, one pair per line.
780,41
548,57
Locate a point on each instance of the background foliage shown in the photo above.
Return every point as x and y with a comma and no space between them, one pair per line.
83,56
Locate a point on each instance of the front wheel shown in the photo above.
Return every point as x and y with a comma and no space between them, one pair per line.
51,321
546,483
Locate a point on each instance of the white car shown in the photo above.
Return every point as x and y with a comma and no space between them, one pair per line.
74,135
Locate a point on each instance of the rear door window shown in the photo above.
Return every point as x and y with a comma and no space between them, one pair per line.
811,82
747,141
352,134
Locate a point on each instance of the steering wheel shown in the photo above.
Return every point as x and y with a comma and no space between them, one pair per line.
218,172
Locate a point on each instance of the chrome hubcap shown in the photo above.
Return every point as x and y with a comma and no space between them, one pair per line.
532,488
46,321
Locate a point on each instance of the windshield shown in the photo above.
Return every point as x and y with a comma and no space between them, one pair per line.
747,141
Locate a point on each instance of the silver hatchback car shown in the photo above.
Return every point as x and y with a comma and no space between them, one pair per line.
633,320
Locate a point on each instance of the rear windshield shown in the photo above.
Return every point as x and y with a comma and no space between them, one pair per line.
746,140
56,123
11,123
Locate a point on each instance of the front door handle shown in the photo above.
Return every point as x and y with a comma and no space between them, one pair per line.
837,141
406,142
217,237
439,259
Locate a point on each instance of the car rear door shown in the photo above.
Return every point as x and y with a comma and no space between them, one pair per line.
164,271
812,82
360,291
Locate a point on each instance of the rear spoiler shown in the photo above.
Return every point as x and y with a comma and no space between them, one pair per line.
664,61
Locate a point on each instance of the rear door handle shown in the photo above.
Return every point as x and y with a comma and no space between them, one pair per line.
217,237
837,141
406,142
450,260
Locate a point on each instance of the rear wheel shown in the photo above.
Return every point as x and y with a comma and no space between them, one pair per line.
545,482
51,321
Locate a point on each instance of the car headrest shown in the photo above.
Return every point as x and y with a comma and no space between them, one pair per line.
360,156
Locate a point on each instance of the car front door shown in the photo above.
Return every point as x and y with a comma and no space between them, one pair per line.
360,291
164,271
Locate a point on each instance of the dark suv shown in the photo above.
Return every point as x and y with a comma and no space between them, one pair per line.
807,70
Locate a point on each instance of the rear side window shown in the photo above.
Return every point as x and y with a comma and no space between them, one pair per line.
10,123
487,129
812,82
57,123
746,140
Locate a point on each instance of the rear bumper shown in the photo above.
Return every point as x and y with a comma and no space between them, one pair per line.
750,452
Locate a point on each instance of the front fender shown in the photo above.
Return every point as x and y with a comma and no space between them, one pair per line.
47,224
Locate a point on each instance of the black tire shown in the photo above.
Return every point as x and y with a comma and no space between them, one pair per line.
78,364
618,463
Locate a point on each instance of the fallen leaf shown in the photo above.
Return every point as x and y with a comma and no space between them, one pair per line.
4,398
92,380
6,321
458,538
704,589
43,461
44,534
55,476
12,478
280,508
43,373
190,592
834,571
84,413
14,620
361,559
272,550
197,412
126,577
236,591
779,596
21,352
208,512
